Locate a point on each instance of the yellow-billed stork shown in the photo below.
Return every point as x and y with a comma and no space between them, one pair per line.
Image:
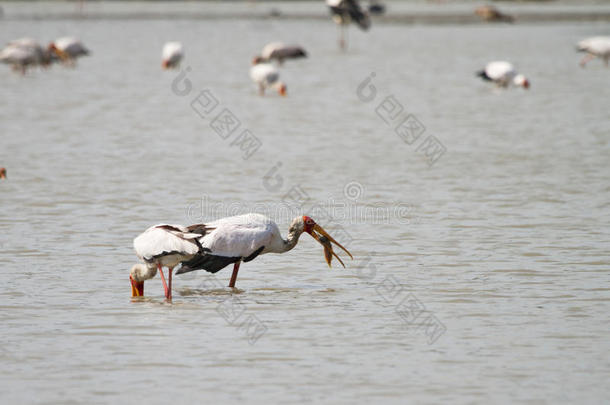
279,51
267,76
24,52
345,11
503,74
595,46
68,49
161,246
244,237
172,54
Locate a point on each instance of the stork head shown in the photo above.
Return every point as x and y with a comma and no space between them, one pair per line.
319,234
520,80
137,275
2,173
257,59
165,64
56,51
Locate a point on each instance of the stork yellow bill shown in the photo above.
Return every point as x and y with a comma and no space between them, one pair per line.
319,234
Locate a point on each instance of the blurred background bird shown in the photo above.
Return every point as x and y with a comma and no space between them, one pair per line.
172,54
279,52
503,74
595,47
343,13
68,50
267,76
492,14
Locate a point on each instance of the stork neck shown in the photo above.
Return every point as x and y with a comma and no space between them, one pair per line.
291,240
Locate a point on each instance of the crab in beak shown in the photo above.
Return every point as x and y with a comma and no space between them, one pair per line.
319,234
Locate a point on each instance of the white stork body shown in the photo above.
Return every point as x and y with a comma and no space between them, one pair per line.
503,74
595,46
244,237
267,76
68,49
172,54
165,245
280,52
17,57
24,52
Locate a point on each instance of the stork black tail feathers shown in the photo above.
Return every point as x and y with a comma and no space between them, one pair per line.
483,75
207,262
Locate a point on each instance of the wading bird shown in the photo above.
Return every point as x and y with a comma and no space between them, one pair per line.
503,74
244,237
68,49
23,53
595,46
267,76
345,11
280,52
492,14
173,52
161,246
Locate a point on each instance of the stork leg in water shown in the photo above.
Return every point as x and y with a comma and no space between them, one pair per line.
234,275
163,279
169,284
342,37
586,59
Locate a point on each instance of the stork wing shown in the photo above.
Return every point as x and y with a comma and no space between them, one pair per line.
288,52
163,239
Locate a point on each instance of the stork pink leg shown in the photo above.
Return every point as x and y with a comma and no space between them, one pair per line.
234,275
162,279
586,59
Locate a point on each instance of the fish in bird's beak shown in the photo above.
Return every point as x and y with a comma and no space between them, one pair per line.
319,234
137,287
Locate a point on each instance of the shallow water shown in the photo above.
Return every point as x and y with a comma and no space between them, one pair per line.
503,240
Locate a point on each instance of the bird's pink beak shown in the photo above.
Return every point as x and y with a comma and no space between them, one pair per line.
526,84
137,287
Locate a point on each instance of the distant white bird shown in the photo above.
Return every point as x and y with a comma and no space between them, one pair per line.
173,52
161,246
24,52
267,76
279,51
244,237
345,11
503,74
595,46
68,49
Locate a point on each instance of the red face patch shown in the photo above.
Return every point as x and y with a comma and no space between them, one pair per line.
309,223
